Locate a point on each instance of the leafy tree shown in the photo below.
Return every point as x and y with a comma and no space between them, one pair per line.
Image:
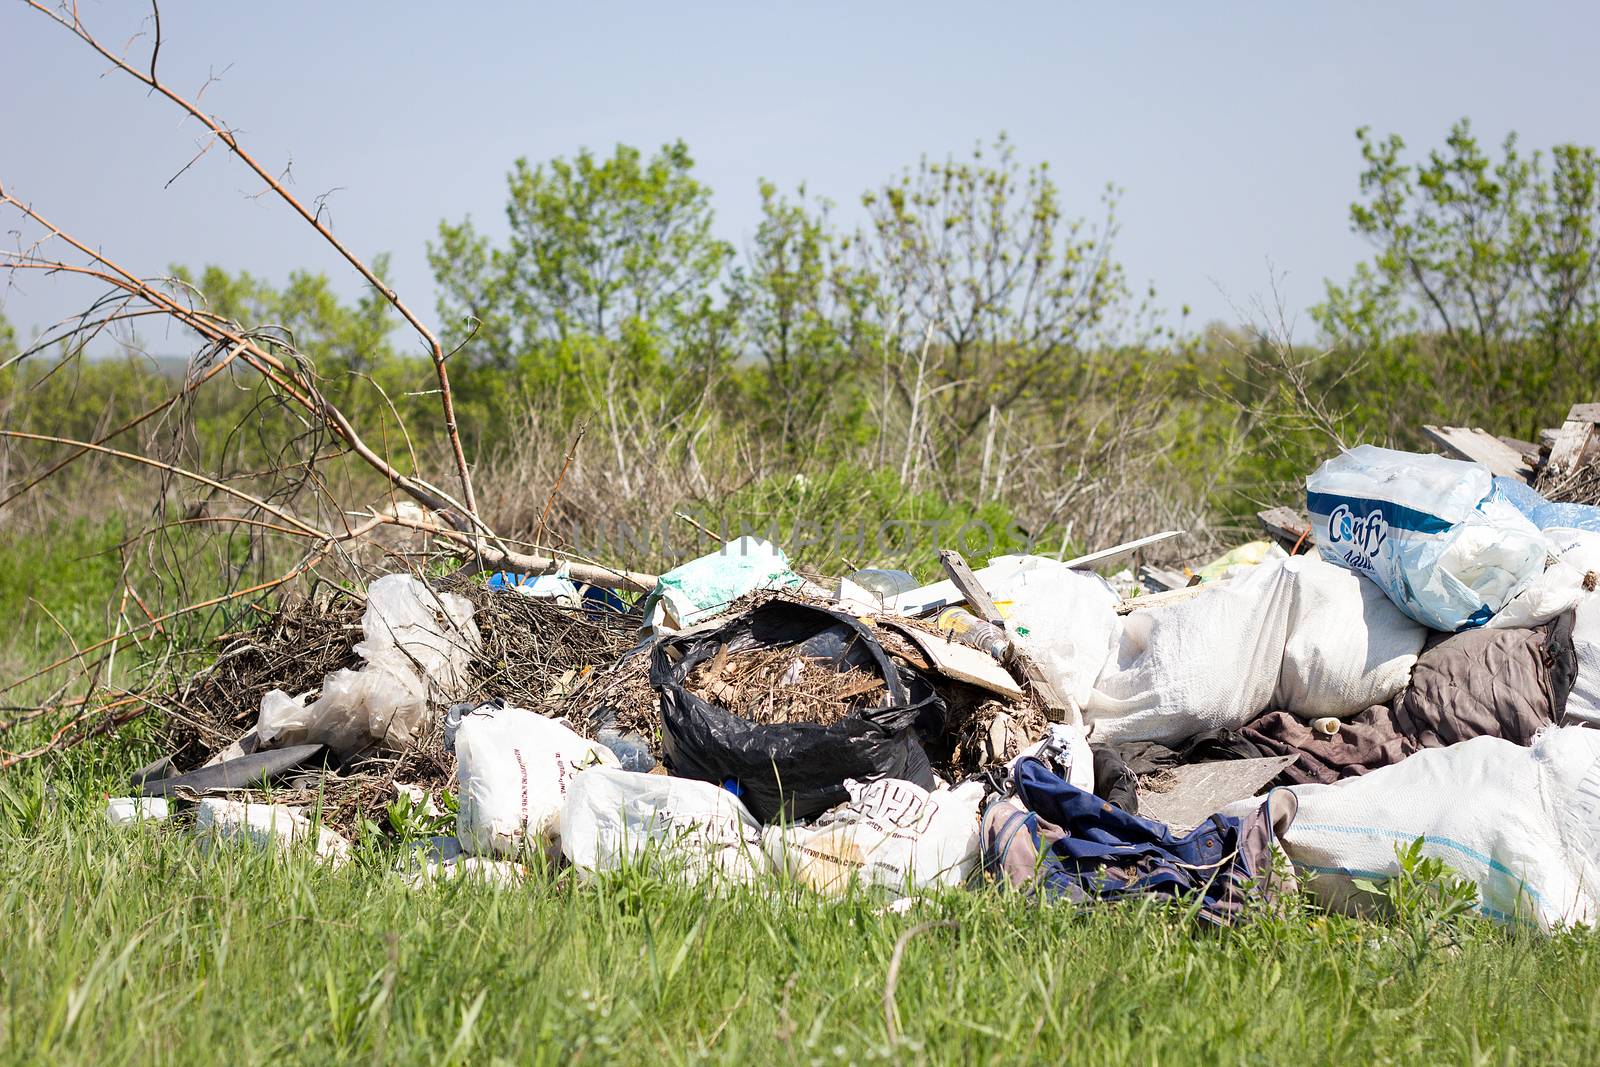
1485,279
806,310
338,337
617,251
989,296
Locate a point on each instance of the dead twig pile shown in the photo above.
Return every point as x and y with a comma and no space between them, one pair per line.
775,685
293,649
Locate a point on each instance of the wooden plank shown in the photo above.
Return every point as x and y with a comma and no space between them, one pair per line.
1106,554
1163,579
1172,596
972,591
1571,442
961,662
1526,449
1288,527
1058,706
1584,413
1479,446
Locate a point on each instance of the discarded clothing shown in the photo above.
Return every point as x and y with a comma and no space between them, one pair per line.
1118,768
1053,838
1363,743
1478,683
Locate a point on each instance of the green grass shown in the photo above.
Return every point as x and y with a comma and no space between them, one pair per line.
128,946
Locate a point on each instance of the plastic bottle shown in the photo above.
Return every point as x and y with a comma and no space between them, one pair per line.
962,626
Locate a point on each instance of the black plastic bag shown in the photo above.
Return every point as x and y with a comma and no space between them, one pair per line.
792,770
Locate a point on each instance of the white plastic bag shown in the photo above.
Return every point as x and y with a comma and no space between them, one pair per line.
130,811
513,768
1428,530
701,588
1066,747
1298,635
266,826
1523,824
1583,703
417,646
1348,646
442,859
677,826
1580,550
890,833
1065,619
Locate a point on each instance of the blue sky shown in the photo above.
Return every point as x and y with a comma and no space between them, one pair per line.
1228,126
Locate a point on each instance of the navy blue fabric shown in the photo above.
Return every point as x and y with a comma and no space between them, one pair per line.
1089,849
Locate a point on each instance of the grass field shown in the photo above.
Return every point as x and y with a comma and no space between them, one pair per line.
130,947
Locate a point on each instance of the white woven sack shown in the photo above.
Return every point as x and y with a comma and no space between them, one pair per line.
1520,823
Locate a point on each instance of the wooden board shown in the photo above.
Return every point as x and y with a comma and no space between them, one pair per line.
1526,449
1196,791
1288,527
1574,438
961,662
1480,446
972,591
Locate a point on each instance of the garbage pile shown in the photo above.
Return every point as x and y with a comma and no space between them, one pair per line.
1422,661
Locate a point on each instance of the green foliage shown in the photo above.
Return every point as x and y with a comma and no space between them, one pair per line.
409,818
1427,899
1486,277
618,251
806,308
841,517
338,338
22,803
992,295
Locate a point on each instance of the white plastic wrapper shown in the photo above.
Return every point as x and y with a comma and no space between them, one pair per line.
513,770
890,833
130,811
417,645
266,826
675,826
442,859
1430,531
